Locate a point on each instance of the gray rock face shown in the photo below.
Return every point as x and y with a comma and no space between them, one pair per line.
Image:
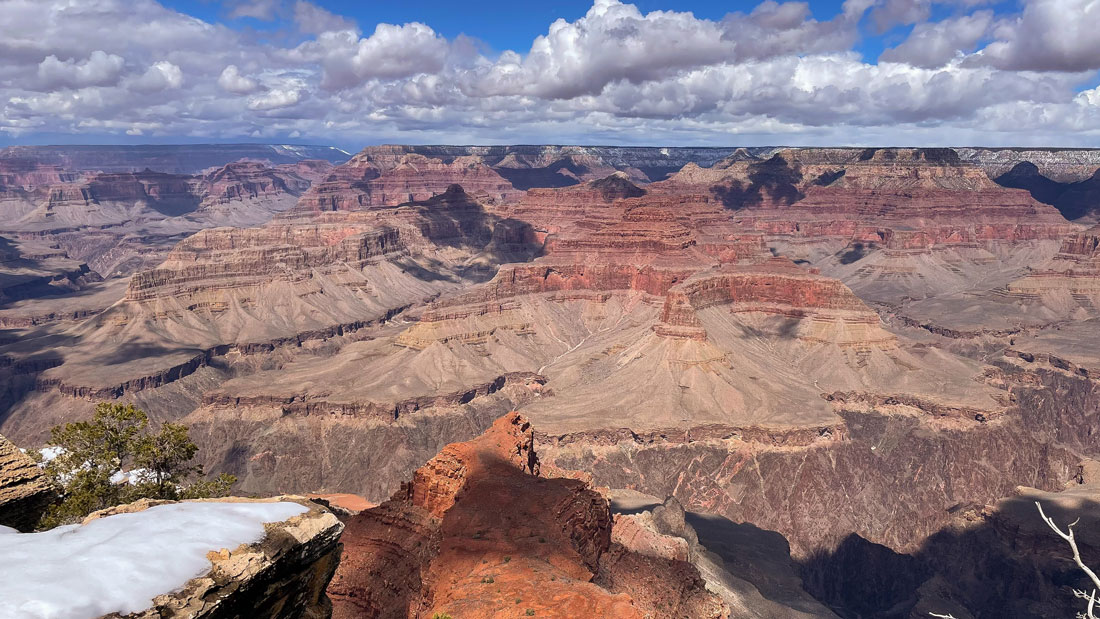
1062,165
24,490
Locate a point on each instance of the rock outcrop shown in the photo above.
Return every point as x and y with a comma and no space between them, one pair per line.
25,492
282,576
749,569
372,179
482,530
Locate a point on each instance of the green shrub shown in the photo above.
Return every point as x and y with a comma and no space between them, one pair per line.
94,453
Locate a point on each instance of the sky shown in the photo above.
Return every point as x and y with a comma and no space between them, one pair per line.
650,72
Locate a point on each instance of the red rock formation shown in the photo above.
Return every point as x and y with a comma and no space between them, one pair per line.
1073,271
478,532
372,180
902,199
250,180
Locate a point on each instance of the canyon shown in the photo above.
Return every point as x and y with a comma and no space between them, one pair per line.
822,381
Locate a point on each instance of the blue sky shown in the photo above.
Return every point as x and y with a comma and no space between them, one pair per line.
649,71
503,24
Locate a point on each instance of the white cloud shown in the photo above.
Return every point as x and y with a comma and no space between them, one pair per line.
770,74
391,52
932,45
231,80
99,69
1050,35
161,75
277,98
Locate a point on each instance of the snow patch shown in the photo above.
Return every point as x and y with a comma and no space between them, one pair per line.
121,562
132,477
49,453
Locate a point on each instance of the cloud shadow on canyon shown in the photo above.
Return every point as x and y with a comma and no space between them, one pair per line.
774,178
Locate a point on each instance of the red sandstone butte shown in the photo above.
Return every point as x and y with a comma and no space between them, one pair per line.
480,531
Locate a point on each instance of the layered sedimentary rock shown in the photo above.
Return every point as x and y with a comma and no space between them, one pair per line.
847,347
893,224
1044,295
557,166
117,221
481,530
383,179
663,286
1072,275
25,492
901,199
239,292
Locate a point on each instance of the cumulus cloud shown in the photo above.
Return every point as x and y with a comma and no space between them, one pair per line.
162,75
775,73
1050,35
391,52
276,98
934,44
231,80
98,69
613,41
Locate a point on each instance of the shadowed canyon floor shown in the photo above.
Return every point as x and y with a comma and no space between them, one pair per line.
859,353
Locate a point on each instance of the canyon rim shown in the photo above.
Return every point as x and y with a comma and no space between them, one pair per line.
593,309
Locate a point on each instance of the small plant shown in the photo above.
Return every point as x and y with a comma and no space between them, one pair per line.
518,600
542,540
488,580
442,616
507,558
115,459
530,612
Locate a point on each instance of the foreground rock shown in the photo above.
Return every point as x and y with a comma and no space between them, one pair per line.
282,576
480,532
25,493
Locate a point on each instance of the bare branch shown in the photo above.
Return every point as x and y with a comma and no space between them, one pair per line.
1072,541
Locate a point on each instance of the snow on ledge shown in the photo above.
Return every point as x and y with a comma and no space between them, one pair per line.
120,563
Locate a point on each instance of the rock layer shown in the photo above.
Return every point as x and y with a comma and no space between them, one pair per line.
25,492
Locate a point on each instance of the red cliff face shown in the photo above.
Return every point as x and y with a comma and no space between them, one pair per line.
245,180
369,180
901,199
480,531
28,174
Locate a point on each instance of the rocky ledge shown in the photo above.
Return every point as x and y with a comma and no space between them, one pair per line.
282,576
24,490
